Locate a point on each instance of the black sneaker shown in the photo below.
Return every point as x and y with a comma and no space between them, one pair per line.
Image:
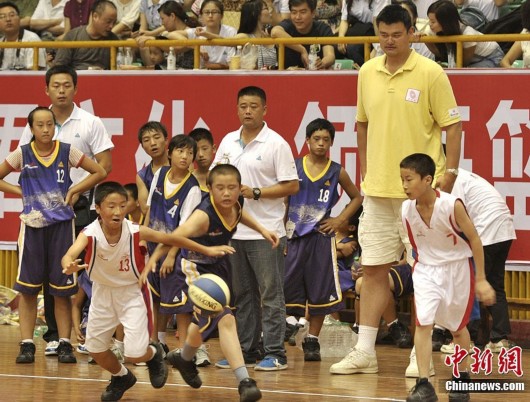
460,396
118,386
248,391
187,369
423,391
290,333
438,339
158,371
165,348
311,349
400,335
27,353
65,353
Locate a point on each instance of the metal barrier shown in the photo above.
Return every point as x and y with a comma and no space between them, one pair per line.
280,43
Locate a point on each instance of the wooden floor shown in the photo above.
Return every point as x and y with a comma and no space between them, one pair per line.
46,380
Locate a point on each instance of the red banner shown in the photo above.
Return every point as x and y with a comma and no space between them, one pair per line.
494,105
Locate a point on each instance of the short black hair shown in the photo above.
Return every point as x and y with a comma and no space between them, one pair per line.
422,164
10,4
182,141
38,109
201,134
223,169
151,126
320,124
133,189
107,188
311,3
393,14
61,69
252,91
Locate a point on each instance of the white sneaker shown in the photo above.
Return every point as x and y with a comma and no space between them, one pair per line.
412,369
357,361
201,356
51,348
81,348
449,349
503,343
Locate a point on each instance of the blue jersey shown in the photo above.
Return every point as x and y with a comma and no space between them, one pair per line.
314,200
219,232
146,174
44,186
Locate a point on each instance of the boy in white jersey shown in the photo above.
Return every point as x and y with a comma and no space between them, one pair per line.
114,262
445,247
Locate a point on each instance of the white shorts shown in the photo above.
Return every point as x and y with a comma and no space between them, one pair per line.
444,294
111,306
381,234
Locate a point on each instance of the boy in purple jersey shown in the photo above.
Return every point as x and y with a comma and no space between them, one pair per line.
311,235
47,228
153,139
212,224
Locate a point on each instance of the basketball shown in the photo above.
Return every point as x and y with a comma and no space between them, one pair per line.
209,293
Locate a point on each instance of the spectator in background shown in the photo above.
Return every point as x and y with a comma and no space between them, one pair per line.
444,20
48,20
128,17
420,48
255,17
26,8
76,14
10,29
279,10
212,57
521,48
150,24
303,25
329,12
100,28
490,8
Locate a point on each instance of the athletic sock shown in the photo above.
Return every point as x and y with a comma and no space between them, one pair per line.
241,373
122,372
312,336
162,337
367,337
291,320
27,341
390,323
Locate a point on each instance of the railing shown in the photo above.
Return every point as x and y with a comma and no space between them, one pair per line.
281,43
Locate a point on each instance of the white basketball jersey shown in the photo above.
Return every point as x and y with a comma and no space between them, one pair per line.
118,264
441,242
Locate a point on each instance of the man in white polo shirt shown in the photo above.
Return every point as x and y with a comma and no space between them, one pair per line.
268,174
86,132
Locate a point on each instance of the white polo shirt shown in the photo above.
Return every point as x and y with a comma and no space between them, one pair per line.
84,131
263,162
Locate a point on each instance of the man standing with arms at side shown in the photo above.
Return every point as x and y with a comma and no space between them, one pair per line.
87,133
404,100
268,175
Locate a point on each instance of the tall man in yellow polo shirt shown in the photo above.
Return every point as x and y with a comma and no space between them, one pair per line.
404,100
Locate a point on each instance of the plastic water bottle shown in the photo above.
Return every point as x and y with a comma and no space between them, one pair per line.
451,57
39,330
120,58
235,60
171,59
313,56
336,338
128,59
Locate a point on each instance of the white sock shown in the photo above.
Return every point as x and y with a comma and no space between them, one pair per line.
367,337
27,341
312,336
64,340
390,323
302,321
122,372
291,320
153,349
162,337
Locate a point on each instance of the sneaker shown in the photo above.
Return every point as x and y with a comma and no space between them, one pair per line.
248,391
311,349
118,386
355,328
458,396
423,391
412,368
496,347
91,360
290,331
223,363
165,349
202,359
27,353
118,353
51,348
400,335
438,339
292,338
270,364
158,371
354,362
65,353
81,348
449,349
187,369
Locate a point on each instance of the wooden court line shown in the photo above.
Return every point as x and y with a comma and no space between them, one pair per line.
265,391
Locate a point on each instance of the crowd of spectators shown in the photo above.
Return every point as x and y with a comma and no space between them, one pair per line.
144,20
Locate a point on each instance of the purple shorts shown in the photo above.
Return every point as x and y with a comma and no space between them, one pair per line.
208,323
402,277
311,276
40,254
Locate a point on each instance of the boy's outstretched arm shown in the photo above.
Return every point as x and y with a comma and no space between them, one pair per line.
70,262
483,289
331,225
249,221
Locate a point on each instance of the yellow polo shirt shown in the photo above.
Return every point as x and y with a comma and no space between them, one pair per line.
405,112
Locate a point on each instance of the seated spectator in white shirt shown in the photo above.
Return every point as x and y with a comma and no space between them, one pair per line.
128,17
48,18
10,29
